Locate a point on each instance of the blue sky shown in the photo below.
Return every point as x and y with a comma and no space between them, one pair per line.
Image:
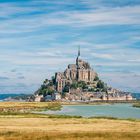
40,37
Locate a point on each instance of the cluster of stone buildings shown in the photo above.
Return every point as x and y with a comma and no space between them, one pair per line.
79,96
53,97
81,71
111,95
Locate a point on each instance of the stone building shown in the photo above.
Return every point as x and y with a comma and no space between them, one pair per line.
39,98
81,71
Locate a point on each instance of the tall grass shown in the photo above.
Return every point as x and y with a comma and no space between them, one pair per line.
11,135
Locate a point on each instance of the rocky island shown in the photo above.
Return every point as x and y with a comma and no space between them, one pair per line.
79,82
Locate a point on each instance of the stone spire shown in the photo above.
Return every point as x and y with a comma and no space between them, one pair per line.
77,63
78,51
78,55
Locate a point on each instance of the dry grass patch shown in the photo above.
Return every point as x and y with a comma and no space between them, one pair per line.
11,135
68,129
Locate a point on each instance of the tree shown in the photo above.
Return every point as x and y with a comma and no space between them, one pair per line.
96,78
91,89
51,83
66,89
50,91
43,87
82,84
53,80
100,84
44,92
105,87
74,85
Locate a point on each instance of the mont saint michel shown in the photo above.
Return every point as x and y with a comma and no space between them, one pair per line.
78,82
69,69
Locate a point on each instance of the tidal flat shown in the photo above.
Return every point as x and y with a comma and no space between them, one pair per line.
23,125
118,110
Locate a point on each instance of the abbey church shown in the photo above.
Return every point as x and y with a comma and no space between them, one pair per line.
81,71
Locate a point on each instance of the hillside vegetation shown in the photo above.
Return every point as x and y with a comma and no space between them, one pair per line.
49,86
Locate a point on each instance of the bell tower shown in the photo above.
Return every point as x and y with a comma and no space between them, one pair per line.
77,63
78,56
78,51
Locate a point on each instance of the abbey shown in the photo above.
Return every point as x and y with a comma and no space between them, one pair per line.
81,71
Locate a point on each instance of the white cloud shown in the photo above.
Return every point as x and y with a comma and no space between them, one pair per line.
134,60
104,16
104,56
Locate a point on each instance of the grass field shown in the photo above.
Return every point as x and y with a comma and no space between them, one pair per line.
28,126
137,104
68,129
24,107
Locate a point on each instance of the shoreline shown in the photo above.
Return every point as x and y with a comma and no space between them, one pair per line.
97,102
35,108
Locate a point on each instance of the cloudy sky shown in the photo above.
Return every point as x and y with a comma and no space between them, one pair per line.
39,37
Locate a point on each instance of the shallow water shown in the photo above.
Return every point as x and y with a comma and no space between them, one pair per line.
111,110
